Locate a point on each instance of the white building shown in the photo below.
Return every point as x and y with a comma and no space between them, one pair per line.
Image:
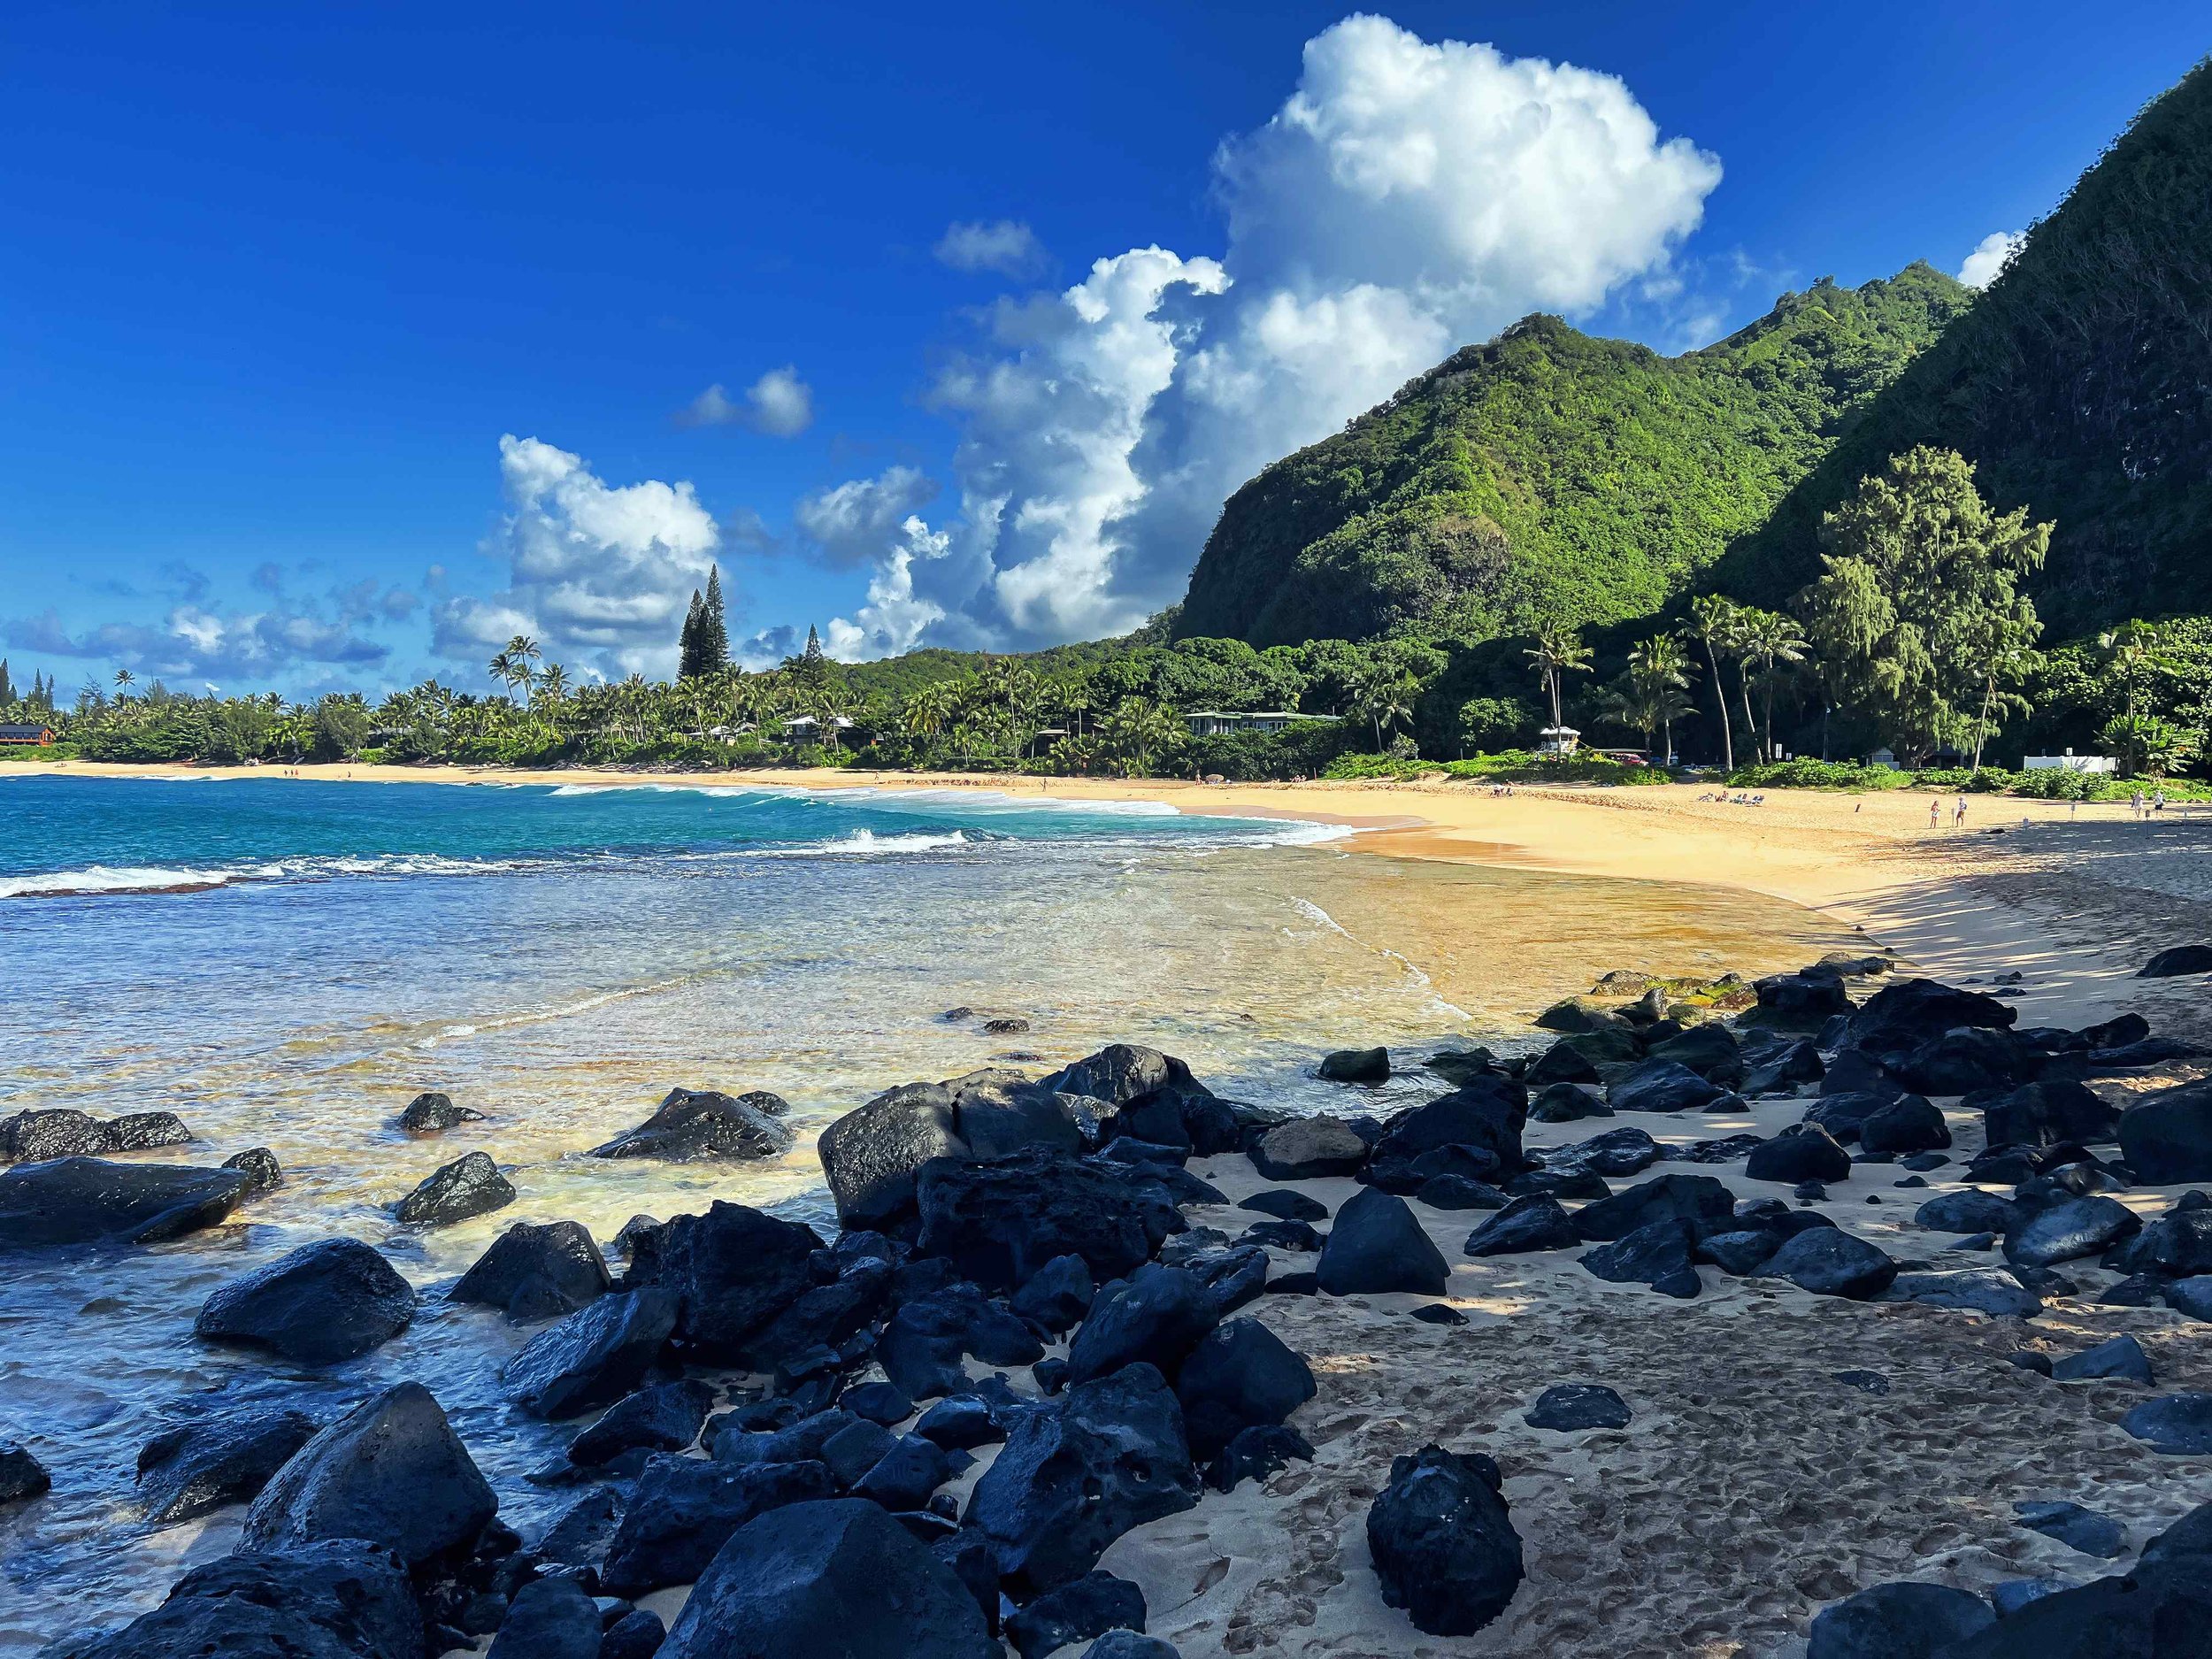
1213,723
2092,765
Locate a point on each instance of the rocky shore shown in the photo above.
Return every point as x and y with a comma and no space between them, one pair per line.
1869,1324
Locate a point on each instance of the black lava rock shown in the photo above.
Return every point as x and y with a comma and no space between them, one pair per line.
1000,1223
1443,1543
595,1355
1241,1375
2165,1138
1898,1621
1658,1254
1698,1199
695,1124
530,1271
1829,1262
687,1509
469,1186
663,1419
1375,1245
333,1299
195,1468
1355,1066
391,1473
22,1477
1088,1607
1802,1152
1572,1406
90,1201
431,1113
1536,1222
337,1599
550,1618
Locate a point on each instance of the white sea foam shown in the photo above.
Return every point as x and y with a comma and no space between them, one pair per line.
867,844
58,884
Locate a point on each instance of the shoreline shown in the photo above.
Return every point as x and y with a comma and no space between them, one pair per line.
2072,896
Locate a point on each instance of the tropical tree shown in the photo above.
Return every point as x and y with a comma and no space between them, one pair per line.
123,681
1774,641
1140,733
1659,679
1385,698
1920,596
1714,623
2144,745
1558,652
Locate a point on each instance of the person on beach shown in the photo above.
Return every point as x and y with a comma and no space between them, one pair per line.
1958,817
1935,814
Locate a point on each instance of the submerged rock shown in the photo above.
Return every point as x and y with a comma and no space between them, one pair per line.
89,1200
694,1124
533,1272
1355,1066
1443,1544
22,1477
194,1468
469,1186
333,1299
432,1113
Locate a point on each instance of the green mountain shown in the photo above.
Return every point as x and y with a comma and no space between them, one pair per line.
1548,475
2079,384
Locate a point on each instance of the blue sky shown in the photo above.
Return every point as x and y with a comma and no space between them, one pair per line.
337,341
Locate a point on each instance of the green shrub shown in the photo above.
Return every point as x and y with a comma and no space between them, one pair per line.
1817,774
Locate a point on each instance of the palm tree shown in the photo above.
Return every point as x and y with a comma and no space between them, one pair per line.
553,683
1557,652
1771,639
1383,698
926,712
1659,672
1138,730
123,681
1713,624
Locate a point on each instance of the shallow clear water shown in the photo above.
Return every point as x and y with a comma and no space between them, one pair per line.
558,958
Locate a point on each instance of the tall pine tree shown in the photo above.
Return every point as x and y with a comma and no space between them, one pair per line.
714,633
690,644
7,686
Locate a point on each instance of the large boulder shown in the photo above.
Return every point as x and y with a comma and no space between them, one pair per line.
2176,960
2054,1112
594,1356
391,1473
839,1577
1623,1152
469,1186
1699,1199
1843,1116
550,1618
32,1137
1967,1212
1965,1062
1157,1316
694,1124
1442,1542
1976,1290
1110,1455
340,1599
1661,1085
1801,1001
1660,1254
996,1118
1898,1621
998,1223
1802,1152
186,1471
1241,1375
1829,1262
2176,1424
872,1155
733,1271
1486,1114
1710,1051
1903,1016
2075,1228
1375,1244
1308,1148
1534,1221
533,1271
687,1509
2177,1245
333,1299
2165,1138
1905,1127
1120,1072
90,1201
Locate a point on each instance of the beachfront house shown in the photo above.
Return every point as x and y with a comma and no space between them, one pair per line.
1214,722
2091,766
27,736
804,728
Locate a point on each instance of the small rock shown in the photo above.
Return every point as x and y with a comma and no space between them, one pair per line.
2122,1358
2178,1424
431,1113
470,1186
1571,1406
22,1476
1439,1313
2075,1528
1443,1544
1089,1607
1898,1621
696,1124
1355,1066
333,1299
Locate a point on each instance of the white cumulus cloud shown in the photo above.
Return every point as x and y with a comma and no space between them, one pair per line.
1408,197
857,520
894,618
1991,254
1005,245
599,575
778,404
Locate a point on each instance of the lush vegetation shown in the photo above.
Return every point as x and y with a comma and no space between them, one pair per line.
1547,477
